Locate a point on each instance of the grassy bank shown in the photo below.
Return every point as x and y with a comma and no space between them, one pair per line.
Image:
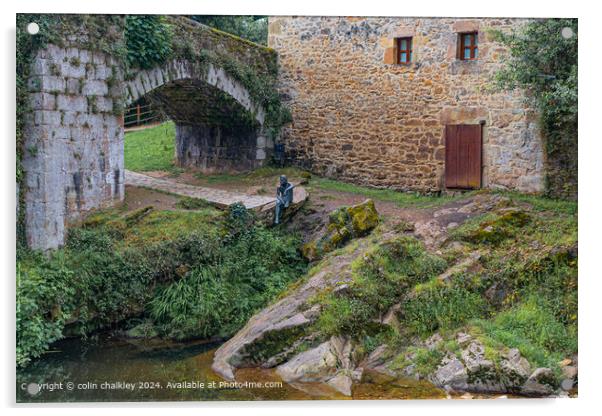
178,274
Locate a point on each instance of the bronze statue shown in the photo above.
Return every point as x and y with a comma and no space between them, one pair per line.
284,197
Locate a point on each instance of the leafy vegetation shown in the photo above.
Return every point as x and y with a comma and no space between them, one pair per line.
151,148
543,59
252,267
192,273
148,39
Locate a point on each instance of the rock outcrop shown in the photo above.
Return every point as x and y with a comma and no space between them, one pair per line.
344,224
287,336
277,333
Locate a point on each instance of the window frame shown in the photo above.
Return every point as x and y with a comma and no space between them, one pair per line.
409,50
473,47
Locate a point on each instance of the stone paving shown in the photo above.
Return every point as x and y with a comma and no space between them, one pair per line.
218,197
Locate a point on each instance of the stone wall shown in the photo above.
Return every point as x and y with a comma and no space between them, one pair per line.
73,141
360,117
214,149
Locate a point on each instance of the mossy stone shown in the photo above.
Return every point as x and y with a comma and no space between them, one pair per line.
344,224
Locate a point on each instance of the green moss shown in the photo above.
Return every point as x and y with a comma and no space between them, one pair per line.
75,61
344,224
492,228
269,345
380,278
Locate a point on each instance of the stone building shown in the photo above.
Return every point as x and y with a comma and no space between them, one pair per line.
375,100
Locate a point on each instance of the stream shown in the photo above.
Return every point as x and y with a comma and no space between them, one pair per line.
108,367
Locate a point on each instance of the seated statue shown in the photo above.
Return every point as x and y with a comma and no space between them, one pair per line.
284,197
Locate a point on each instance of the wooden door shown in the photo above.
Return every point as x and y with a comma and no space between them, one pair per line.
463,156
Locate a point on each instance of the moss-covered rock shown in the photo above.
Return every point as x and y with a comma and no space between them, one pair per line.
504,225
344,224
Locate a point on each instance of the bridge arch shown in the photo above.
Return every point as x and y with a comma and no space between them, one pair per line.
72,142
219,127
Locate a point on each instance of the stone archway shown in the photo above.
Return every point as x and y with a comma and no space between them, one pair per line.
72,159
218,125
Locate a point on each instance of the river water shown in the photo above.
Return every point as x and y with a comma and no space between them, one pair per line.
111,368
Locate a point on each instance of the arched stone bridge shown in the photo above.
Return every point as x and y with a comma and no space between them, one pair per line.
73,140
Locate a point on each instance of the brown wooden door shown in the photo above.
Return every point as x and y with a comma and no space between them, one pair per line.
463,156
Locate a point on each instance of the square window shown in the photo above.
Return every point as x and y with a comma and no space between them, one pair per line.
468,48
404,50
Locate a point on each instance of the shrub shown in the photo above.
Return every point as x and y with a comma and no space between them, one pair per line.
252,267
88,283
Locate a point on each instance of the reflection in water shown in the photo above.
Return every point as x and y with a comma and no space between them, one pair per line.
110,368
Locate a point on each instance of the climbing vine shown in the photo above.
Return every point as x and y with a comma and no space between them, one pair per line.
26,47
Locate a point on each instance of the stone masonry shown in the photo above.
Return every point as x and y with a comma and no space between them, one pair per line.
361,117
73,150
211,111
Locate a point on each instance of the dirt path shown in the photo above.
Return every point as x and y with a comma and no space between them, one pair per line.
218,197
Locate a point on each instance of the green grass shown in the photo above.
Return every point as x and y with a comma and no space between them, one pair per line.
541,203
379,279
533,329
265,172
442,307
150,149
400,198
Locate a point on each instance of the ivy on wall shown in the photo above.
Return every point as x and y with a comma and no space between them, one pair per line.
26,47
543,60
261,88
148,40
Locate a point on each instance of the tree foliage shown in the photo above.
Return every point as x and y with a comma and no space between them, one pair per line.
148,40
544,62
253,28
